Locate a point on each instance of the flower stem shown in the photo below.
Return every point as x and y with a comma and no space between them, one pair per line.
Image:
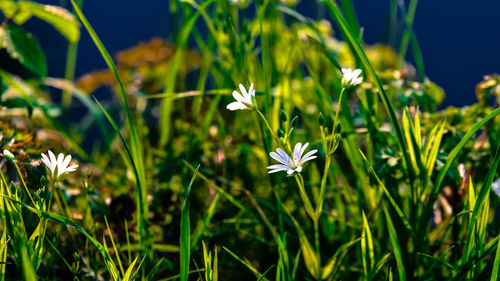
303,195
24,183
276,138
321,199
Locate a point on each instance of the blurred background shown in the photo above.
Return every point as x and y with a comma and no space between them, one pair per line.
459,42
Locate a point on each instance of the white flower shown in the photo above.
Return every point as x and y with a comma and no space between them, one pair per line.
350,77
61,164
8,154
496,186
245,100
291,165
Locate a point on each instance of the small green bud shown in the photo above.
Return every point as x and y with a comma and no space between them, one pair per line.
321,119
283,116
294,121
338,130
281,133
43,181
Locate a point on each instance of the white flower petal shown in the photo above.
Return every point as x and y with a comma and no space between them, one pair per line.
238,97
285,156
276,168
356,73
52,157
309,156
296,150
275,171
496,186
289,172
278,158
236,106
66,161
243,91
251,91
8,154
304,148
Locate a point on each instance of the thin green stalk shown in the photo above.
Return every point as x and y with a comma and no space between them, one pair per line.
23,182
405,41
69,72
316,239
303,195
273,134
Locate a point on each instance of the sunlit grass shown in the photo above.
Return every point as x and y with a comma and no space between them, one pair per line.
367,178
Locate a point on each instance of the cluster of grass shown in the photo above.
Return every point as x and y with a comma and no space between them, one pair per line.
172,185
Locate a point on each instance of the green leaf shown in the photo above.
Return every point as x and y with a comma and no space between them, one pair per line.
128,273
60,18
436,188
358,51
246,263
330,265
21,46
367,247
496,263
185,239
481,198
395,245
135,144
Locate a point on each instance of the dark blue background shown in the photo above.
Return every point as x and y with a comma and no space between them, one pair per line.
460,40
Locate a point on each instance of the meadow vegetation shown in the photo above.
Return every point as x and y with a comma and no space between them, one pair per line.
259,144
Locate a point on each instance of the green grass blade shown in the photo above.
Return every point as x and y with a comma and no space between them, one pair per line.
410,16
436,189
128,273
388,194
63,220
496,262
367,247
353,41
169,86
245,263
393,236
482,195
185,237
134,167
135,140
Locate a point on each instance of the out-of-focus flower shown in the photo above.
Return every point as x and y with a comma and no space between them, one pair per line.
8,154
58,166
351,77
496,186
245,100
288,164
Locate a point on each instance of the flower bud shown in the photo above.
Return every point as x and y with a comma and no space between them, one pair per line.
281,133
321,119
43,181
294,121
283,116
7,154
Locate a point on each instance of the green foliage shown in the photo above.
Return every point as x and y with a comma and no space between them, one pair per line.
399,189
21,46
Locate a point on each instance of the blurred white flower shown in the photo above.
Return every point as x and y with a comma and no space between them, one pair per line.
8,154
288,164
351,77
496,186
245,100
59,164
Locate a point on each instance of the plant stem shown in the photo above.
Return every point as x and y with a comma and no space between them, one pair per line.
24,183
303,195
273,134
